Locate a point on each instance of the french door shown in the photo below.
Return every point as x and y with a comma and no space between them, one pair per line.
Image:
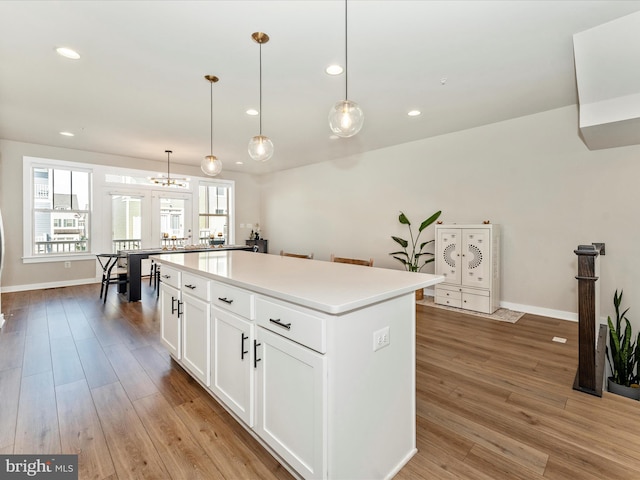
148,219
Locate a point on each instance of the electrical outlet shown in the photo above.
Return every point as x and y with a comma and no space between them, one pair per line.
67,264
381,338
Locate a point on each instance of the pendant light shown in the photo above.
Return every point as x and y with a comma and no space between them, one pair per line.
346,118
260,146
168,181
210,164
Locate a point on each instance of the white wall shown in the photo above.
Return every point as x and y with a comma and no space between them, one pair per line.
533,175
17,275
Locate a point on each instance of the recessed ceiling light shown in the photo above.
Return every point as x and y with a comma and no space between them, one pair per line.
252,112
414,113
68,53
334,70
67,134
239,162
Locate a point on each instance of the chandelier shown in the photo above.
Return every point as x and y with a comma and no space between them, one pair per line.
168,181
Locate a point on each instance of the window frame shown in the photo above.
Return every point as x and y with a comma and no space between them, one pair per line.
220,183
29,165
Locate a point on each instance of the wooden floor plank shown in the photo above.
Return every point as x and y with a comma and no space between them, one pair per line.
97,368
37,423
81,432
235,456
66,363
9,396
11,350
132,376
180,452
37,354
58,325
132,451
78,324
167,376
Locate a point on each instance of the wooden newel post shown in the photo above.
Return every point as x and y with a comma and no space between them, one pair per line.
589,377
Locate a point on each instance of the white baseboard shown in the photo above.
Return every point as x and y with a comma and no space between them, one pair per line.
532,309
543,312
42,286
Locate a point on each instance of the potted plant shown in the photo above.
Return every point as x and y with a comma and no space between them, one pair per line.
623,354
412,255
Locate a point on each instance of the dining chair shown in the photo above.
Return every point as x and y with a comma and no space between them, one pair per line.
296,255
112,273
352,261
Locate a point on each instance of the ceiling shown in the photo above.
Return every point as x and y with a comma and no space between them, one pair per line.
139,86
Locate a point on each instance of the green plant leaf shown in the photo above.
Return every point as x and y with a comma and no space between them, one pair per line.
403,219
429,220
424,244
403,243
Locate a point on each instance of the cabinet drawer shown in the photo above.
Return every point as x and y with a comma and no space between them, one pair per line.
452,293
236,300
479,303
196,286
451,302
170,276
296,323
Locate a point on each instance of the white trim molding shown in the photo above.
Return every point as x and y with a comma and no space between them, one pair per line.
42,286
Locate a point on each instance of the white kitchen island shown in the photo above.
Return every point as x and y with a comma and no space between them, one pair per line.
315,359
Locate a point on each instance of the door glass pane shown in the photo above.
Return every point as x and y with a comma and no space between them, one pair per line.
172,222
126,222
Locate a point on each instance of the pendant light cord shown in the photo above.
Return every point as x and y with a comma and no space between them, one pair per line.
346,58
211,109
168,170
260,118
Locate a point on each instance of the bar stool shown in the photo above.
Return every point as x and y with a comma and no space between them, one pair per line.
111,272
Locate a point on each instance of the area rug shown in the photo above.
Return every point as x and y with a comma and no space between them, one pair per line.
501,314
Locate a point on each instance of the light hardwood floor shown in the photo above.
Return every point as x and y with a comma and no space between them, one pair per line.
494,399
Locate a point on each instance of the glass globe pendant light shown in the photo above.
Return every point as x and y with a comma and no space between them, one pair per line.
346,117
260,146
210,164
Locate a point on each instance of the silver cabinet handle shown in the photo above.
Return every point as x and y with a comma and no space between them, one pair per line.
226,300
166,276
192,287
280,324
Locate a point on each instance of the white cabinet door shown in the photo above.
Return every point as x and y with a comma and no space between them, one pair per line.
291,402
170,319
196,331
232,371
448,260
476,251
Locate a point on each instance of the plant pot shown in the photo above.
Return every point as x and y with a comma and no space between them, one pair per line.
420,294
629,392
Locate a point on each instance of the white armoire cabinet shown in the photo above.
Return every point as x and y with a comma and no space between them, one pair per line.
468,256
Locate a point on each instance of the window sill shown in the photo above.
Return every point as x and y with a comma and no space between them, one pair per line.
58,258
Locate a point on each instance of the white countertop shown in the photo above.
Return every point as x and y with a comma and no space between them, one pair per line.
329,287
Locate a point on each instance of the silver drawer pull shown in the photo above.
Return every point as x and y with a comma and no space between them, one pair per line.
166,276
192,287
226,300
280,324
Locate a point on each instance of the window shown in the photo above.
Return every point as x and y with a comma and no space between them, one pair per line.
61,210
61,199
126,222
213,216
